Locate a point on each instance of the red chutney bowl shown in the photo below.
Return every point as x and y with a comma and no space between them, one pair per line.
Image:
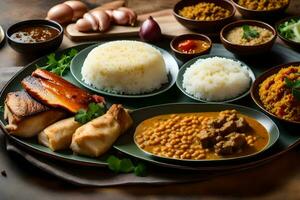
183,55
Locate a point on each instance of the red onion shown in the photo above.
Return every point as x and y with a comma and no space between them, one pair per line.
150,30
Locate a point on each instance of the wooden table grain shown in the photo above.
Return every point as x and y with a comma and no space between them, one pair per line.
279,179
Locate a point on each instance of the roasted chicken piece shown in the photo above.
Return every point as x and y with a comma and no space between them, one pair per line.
54,91
26,117
97,136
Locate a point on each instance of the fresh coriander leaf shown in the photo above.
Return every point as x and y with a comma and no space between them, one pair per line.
81,117
126,166
94,110
296,84
59,66
289,83
73,52
114,163
140,170
249,33
51,59
296,94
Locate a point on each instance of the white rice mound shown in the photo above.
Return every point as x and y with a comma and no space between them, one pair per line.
216,79
126,67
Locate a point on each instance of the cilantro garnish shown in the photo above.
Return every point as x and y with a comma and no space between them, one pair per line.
59,66
294,86
125,166
94,110
249,33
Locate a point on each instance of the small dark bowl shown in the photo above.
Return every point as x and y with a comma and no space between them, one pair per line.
261,14
36,47
204,26
255,89
187,56
243,49
292,44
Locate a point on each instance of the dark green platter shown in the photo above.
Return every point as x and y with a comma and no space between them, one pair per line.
289,134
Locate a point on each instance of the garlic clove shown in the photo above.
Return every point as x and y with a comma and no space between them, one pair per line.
103,19
120,17
94,22
83,25
132,15
79,8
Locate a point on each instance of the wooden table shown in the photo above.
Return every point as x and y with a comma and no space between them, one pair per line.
279,179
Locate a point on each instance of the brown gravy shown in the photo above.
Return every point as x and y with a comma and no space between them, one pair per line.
34,34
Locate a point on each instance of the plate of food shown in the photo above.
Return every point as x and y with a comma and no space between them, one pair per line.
289,31
129,69
61,101
277,92
197,133
213,78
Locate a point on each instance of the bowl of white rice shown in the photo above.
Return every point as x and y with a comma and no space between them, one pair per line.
215,79
125,68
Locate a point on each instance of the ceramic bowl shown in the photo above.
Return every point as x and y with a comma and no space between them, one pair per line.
255,89
290,43
187,56
36,47
247,49
204,26
262,14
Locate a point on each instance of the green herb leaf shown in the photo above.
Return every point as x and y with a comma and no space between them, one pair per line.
288,82
296,93
249,33
114,163
61,65
126,166
94,110
140,170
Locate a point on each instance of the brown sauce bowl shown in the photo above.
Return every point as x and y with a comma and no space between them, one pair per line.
35,47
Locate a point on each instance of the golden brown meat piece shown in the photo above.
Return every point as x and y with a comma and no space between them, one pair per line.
26,117
54,91
97,136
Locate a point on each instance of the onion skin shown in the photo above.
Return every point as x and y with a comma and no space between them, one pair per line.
61,13
150,31
79,8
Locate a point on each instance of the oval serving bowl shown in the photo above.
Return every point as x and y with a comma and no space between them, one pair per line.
182,70
292,44
204,26
255,90
126,143
171,64
263,14
247,49
36,47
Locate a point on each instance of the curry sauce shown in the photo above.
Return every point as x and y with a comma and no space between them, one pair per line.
197,136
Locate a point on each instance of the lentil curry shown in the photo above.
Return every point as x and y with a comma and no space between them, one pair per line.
204,12
263,4
197,136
